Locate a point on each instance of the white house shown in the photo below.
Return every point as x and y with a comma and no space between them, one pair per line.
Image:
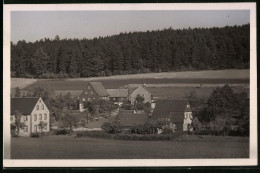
142,91
33,111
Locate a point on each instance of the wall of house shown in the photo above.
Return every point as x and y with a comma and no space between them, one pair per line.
88,94
38,115
142,92
27,121
187,120
118,99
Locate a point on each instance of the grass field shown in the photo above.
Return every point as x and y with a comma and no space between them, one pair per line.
68,147
21,82
200,77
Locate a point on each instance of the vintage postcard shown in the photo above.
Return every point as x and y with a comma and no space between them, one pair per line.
105,85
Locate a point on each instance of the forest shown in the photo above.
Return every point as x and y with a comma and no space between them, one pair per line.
134,52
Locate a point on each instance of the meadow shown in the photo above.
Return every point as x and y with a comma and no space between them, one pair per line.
69,147
170,84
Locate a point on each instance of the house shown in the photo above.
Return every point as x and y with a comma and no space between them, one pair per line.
93,91
177,111
118,96
129,119
142,91
33,111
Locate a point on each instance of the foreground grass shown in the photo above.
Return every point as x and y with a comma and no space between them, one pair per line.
69,147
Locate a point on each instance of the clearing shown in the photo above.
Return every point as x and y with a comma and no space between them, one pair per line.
69,147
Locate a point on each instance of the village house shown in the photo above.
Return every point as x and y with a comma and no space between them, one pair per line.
177,111
118,96
143,92
33,111
93,91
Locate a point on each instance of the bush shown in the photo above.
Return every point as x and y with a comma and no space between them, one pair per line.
63,132
111,128
129,137
35,135
98,134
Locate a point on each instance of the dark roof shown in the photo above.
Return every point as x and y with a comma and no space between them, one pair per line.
131,119
23,104
117,92
175,108
99,88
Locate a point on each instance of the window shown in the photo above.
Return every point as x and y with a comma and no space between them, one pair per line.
83,99
35,117
86,92
40,101
25,129
188,106
45,126
91,92
89,99
42,107
37,107
40,117
94,98
25,118
88,87
35,128
45,116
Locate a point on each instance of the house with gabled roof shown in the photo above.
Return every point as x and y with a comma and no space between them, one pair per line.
142,91
118,96
177,111
33,110
93,91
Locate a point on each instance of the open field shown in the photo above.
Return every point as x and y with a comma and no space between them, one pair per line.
172,92
68,147
21,82
199,77
206,74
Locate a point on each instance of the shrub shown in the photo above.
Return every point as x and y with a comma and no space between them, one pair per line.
93,134
111,128
35,135
63,132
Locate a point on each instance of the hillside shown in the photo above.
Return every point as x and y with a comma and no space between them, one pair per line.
134,53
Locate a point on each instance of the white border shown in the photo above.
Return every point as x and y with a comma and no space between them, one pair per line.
131,162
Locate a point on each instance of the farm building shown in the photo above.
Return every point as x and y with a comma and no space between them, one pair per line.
128,119
33,111
177,111
93,91
118,95
142,91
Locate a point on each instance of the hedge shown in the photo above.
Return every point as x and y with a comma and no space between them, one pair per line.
130,137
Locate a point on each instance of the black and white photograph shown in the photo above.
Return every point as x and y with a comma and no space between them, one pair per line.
110,84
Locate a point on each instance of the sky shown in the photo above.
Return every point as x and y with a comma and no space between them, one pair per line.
35,25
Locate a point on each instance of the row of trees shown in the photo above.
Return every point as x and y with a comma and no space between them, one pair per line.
136,52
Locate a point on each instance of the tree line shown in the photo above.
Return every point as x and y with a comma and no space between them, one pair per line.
134,52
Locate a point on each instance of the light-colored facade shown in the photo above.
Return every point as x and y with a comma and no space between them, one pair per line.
142,92
39,113
187,120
